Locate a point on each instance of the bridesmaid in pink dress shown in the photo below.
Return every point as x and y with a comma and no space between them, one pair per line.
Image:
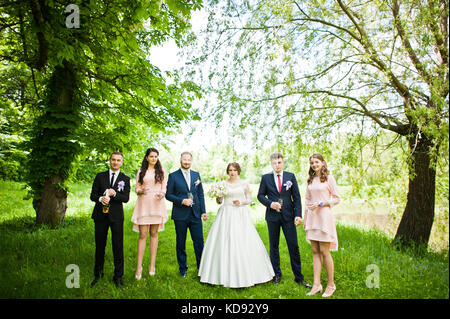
150,212
321,195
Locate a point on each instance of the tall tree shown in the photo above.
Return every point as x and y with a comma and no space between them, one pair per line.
91,68
310,68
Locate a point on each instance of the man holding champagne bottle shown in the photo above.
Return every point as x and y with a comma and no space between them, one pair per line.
278,191
109,191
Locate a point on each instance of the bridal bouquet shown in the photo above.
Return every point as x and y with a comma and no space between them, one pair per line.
217,190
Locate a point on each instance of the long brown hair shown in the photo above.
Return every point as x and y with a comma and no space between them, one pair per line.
159,173
324,172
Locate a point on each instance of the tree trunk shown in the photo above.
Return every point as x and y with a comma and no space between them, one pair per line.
417,220
54,151
51,207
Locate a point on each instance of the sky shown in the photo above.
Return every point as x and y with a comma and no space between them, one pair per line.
165,57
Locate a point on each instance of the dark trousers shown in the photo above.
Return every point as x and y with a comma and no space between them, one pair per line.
101,235
290,234
195,227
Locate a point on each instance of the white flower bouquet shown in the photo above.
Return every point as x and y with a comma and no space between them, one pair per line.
217,190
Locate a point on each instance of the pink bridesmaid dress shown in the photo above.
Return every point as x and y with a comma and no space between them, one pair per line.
319,223
150,210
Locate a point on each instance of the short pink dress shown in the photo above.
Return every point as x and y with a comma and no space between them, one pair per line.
149,210
319,223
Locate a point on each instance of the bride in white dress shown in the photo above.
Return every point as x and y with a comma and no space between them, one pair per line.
234,255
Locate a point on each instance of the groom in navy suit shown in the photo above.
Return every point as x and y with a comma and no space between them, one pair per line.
185,191
278,191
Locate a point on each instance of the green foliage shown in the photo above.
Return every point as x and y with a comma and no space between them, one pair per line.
120,100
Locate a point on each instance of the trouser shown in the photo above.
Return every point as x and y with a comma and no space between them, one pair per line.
195,227
290,234
101,235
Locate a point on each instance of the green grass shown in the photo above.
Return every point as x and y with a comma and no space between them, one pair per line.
33,260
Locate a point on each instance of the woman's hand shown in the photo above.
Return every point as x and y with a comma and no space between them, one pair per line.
236,202
160,195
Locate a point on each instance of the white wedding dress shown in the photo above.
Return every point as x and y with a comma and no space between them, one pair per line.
234,255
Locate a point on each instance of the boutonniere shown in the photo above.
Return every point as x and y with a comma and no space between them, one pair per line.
288,185
197,182
120,186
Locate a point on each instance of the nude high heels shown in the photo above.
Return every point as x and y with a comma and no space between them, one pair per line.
315,289
329,291
139,275
151,273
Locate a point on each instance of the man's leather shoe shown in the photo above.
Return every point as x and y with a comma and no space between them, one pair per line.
96,279
303,282
183,274
276,279
118,282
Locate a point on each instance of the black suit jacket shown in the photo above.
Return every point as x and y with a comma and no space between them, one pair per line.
268,193
101,183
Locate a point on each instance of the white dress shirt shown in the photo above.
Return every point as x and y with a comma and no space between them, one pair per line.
275,176
109,179
187,176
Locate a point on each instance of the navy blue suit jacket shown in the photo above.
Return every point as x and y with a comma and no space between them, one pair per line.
177,190
268,193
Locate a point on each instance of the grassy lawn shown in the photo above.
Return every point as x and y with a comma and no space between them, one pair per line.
33,260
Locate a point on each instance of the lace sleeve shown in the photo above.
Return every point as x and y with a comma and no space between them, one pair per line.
248,195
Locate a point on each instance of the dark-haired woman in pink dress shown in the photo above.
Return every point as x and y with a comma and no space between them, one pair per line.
150,214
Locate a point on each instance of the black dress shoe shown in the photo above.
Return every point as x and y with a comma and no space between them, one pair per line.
118,282
96,279
303,282
276,279
183,274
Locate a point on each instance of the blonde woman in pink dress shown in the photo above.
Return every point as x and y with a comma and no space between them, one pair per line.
321,195
150,214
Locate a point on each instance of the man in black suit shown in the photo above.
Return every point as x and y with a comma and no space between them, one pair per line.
109,191
278,191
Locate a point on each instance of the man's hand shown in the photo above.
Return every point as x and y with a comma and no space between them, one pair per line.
187,202
205,217
111,192
276,206
297,221
105,200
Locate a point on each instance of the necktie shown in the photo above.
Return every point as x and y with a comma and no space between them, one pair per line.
279,184
187,177
112,179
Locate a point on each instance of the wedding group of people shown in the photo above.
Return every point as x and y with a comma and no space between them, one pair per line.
233,254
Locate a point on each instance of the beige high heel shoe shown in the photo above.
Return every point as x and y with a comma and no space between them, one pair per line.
151,273
314,290
329,291
138,275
